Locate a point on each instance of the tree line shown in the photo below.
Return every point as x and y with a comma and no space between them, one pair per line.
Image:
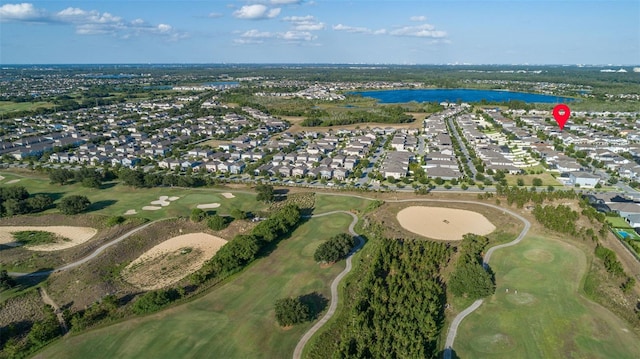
395,304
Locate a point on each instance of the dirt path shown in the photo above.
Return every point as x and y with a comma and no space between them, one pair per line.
56,310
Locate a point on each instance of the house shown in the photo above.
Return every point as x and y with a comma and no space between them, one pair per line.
633,220
583,179
340,173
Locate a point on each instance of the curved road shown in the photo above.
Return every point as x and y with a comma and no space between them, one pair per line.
297,353
90,256
453,329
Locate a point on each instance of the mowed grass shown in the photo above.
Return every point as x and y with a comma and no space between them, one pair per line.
10,106
234,320
618,222
548,317
327,202
115,199
546,177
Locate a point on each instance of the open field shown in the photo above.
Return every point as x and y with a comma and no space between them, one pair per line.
538,310
443,223
10,106
295,127
234,320
171,260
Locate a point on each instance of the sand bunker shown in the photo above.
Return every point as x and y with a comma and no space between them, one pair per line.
164,201
172,260
1,178
151,208
13,181
227,195
443,223
130,212
208,205
76,235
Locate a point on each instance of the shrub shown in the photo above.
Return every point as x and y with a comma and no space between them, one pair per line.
197,215
217,223
115,220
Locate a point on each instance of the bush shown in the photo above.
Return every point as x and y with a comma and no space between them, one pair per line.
238,214
154,301
6,282
217,223
290,311
334,249
115,220
197,215
73,204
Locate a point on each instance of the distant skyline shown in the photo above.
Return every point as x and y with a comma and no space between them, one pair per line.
316,31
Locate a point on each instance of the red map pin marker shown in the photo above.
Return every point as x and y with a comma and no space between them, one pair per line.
561,113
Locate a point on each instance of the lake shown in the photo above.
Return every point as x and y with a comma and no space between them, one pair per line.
453,95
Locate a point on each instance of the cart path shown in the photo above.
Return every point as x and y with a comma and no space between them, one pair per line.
87,258
297,353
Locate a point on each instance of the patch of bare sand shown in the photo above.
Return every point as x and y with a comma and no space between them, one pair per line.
171,260
75,236
151,208
13,181
227,195
208,205
443,223
130,212
1,178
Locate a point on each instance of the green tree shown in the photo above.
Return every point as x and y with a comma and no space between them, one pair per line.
537,182
520,182
290,311
73,204
61,175
265,193
197,215
238,214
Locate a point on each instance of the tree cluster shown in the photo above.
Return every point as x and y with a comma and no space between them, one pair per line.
336,248
469,278
521,196
397,308
17,200
611,263
290,311
87,177
561,218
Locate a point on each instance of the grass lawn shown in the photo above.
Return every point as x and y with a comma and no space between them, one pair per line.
618,222
327,203
234,320
546,177
548,317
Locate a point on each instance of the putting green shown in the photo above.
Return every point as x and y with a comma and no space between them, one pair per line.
538,311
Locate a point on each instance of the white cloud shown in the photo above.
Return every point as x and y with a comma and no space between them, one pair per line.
297,36
214,15
358,30
418,18
88,22
424,30
255,34
256,12
304,23
20,12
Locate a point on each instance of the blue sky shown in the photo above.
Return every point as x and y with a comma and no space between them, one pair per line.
321,31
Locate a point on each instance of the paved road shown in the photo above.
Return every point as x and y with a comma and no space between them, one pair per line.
87,258
297,353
